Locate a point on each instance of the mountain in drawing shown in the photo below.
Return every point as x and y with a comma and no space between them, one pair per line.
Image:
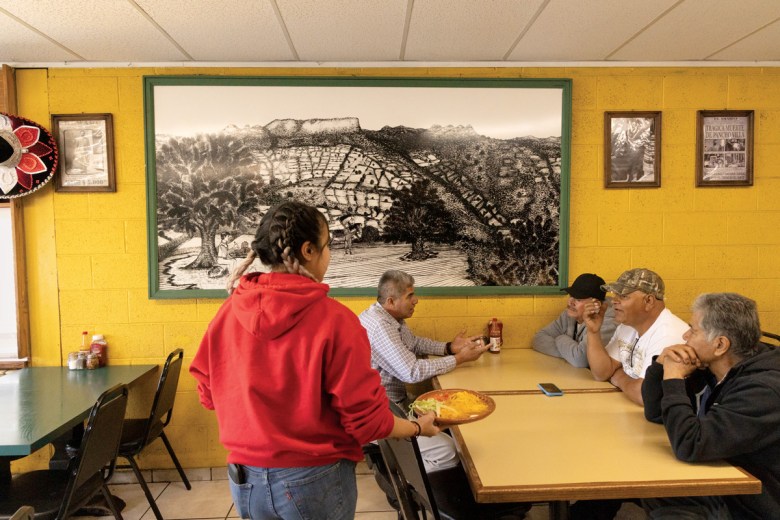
498,200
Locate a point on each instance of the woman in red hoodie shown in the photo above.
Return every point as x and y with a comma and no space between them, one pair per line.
287,371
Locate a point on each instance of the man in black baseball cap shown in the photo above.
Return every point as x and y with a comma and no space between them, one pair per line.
566,337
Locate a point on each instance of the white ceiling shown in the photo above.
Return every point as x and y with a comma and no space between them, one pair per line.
388,32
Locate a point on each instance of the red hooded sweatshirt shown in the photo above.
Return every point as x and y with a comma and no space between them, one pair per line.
288,372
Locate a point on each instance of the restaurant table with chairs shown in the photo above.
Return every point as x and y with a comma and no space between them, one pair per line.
590,443
40,405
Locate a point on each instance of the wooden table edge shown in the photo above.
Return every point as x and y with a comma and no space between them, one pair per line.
593,490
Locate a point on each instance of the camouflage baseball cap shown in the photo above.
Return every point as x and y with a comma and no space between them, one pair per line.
639,279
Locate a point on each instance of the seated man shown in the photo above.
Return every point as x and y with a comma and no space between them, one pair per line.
394,351
717,396
645,328
565,337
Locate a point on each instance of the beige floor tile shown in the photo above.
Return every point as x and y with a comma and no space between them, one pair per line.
127,476
207,499
135,500
233,513
172,475
362,468
219,473
370,497
134,497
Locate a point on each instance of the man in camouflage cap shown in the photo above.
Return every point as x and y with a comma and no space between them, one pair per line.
645,328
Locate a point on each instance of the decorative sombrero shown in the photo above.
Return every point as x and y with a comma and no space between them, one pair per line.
28,156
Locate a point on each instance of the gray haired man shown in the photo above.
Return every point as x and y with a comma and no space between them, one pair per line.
717,396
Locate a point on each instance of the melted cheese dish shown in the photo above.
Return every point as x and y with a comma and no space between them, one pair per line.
454,405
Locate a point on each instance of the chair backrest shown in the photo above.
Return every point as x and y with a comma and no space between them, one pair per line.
773,339
407,471
164,397
99,444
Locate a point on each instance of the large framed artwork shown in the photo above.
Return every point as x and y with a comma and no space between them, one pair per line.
462,183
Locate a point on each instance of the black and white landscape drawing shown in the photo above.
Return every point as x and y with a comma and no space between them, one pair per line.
460,187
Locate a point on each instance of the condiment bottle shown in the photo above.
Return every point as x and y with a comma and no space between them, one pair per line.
84,350
93,361
99,347
81,360
73,361
495,329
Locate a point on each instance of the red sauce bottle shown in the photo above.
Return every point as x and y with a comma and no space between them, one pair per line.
495,333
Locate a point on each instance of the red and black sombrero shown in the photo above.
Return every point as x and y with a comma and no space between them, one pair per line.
28,156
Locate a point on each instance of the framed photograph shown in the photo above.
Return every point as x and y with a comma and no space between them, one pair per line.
632,149
462,183
86,145
724,148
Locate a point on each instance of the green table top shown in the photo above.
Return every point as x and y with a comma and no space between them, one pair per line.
39,404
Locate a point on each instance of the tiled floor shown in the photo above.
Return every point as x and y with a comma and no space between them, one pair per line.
210,499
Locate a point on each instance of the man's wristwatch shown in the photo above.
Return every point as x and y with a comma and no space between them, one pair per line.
448,348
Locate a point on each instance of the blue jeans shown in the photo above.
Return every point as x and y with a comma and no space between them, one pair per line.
309,493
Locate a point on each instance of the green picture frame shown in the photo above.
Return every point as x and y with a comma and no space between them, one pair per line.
479,167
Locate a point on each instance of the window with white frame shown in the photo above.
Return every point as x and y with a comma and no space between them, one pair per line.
9,338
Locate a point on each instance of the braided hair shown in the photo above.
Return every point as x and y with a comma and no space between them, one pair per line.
279,237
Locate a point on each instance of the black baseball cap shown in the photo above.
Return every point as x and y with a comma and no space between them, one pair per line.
587,285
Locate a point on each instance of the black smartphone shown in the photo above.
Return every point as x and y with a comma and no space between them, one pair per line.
550,389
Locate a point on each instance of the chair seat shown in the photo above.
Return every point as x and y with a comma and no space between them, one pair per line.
45,490
455,500
133,431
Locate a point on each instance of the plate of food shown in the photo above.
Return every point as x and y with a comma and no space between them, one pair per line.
454,406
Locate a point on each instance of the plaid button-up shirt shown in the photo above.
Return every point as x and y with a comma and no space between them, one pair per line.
394,351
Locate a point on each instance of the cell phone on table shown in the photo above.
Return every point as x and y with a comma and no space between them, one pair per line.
550,389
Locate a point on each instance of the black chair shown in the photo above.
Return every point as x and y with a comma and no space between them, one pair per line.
58,493
139,433
774,339
445,494
376,464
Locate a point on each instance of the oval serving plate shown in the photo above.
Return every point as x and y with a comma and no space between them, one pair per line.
444,395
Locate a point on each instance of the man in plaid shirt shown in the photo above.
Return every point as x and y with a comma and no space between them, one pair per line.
395,350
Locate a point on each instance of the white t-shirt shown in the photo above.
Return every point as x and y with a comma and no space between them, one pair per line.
635,352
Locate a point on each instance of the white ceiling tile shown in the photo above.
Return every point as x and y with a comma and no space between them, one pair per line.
345,30
231,30
372,31
580,31
764,45
20,44
466,30
98,30
697,28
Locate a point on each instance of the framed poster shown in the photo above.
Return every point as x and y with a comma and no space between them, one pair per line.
86,143
724,148
632,149
462,183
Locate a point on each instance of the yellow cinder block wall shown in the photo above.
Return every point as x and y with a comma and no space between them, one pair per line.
87,252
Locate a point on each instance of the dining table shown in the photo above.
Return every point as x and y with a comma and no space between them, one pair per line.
592,442
42,405
519,371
